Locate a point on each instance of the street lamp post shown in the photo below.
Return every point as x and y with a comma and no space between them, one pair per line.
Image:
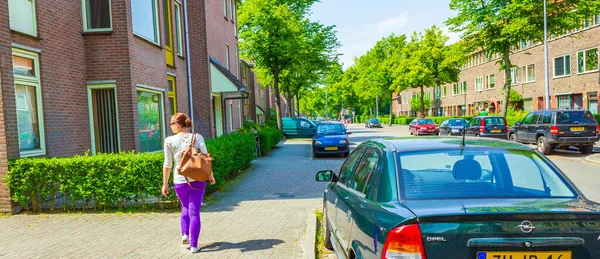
376,106
326,105
546,81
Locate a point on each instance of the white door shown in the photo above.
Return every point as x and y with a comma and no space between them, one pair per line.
218,106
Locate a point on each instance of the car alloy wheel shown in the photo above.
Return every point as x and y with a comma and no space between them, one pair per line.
542,145
513,137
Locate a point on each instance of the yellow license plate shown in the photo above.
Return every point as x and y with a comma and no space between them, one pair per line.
331,148
431,130
525,255
496,131
577,128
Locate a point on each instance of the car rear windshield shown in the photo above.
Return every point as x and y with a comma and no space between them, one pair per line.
457,122
374,120
425,121
330,129
494,121
574,117
479,173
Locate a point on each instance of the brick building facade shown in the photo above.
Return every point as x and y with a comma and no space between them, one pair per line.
573,77
105,75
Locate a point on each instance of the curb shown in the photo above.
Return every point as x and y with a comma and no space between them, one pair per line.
595,159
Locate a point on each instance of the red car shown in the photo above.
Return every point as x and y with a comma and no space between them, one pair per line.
423,126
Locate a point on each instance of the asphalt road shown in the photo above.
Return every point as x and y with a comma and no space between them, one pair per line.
584,174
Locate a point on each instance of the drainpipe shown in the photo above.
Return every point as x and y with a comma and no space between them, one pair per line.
188,62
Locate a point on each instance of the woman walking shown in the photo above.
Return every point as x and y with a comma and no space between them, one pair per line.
190,194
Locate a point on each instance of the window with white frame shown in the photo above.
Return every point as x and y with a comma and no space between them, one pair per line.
232,9
478,84
562,66
225,8
455,89
596,19
463,87
144,15
564,102
178,29
237,60
530,73
150,119
30,122
227,65
490,82
96,15
444,91
22,16
514,75
587,60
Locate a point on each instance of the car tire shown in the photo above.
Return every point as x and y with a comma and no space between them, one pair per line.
543,146
513,137
326,232
346,154
410,131
586,149
449,133
315,155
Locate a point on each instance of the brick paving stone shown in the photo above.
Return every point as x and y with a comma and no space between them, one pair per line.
265,215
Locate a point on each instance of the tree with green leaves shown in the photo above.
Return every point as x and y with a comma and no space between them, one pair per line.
427,61
499,26
418,102
269,32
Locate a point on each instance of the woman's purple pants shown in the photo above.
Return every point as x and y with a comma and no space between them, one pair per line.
191,203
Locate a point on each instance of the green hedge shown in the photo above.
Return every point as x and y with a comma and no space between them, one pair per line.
269,138
597,117
114,180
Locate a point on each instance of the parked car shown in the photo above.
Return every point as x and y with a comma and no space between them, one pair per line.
557,128
331,138
487,126
297,128
423,126
370,123
432,198
453,126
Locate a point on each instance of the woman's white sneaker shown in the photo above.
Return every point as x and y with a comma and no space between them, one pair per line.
194,250
185,239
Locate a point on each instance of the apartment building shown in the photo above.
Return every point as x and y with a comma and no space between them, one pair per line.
105,75
573,78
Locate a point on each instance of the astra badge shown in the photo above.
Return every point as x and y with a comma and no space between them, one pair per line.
526,226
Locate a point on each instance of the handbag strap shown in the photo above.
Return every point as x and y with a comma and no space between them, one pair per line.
190,184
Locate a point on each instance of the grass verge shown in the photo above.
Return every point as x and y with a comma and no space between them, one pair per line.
319,245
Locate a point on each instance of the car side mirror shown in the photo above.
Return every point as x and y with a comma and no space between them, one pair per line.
348,132
326,176
518,123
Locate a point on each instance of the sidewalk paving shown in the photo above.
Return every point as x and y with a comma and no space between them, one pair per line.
268,214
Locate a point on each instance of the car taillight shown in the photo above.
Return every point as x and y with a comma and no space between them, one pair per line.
597,129
404,242
482,125
553,130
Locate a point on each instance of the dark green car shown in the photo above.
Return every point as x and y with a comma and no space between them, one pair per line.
433,198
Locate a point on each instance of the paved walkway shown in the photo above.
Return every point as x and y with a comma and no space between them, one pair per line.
269,214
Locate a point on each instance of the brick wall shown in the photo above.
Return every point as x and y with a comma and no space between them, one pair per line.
7,111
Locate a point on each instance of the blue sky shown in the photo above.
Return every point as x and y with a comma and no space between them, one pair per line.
361,23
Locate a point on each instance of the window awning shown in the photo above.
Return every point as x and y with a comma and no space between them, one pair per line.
222,80
259,111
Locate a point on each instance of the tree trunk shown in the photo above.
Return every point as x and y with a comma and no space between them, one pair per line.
298,103
507,81
290,107
422,101
277,94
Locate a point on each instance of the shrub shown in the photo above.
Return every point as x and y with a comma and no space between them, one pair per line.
113,180
269,138
597,117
